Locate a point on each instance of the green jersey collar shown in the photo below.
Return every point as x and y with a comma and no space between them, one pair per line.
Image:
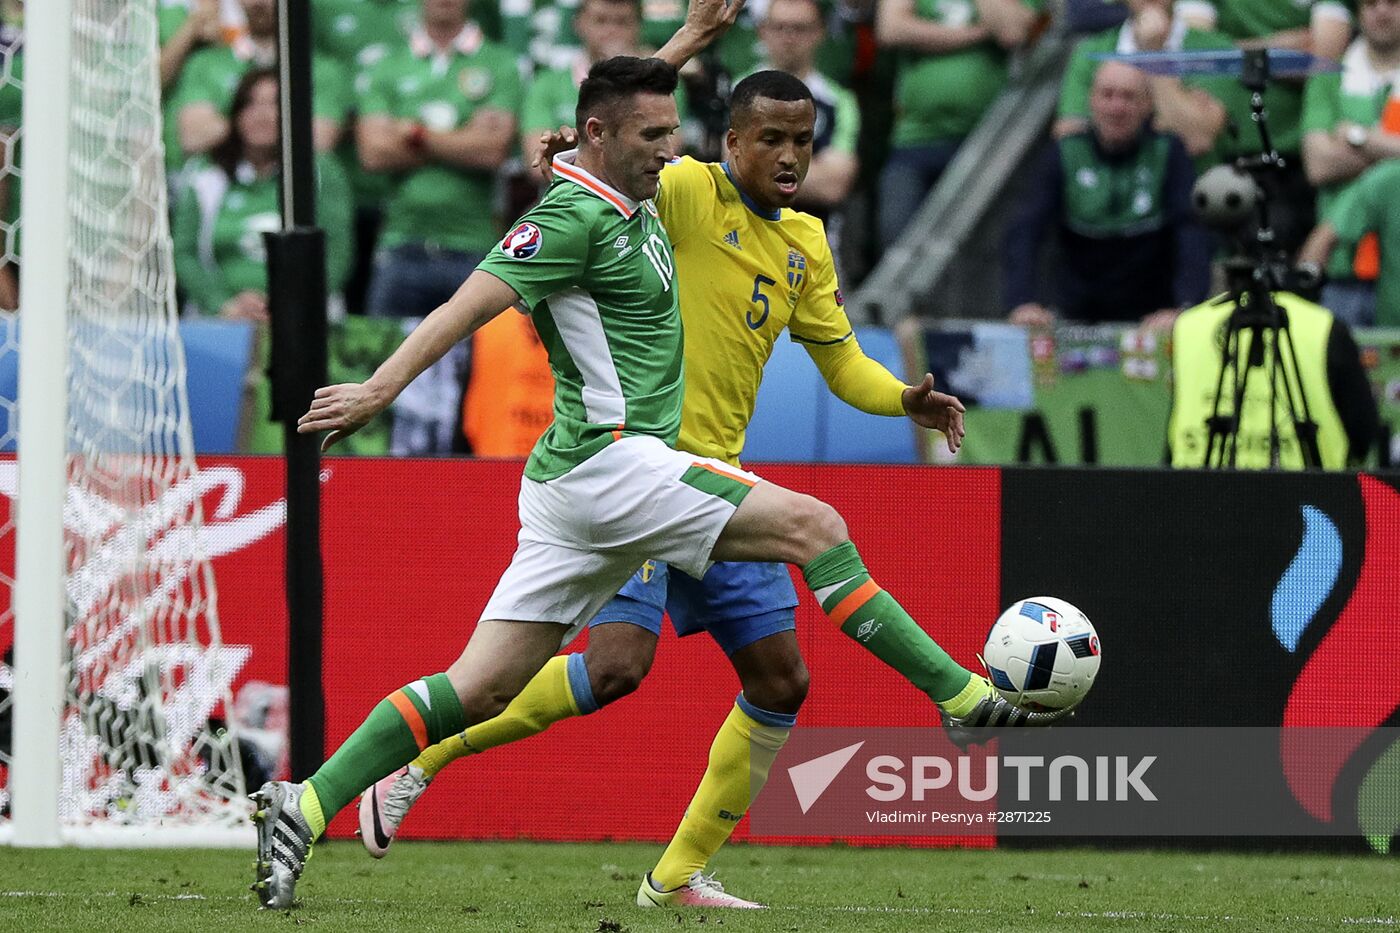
467,41
565,167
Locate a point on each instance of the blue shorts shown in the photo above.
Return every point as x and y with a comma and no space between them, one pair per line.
737,603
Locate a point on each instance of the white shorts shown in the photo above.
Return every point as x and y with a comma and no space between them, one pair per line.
584,534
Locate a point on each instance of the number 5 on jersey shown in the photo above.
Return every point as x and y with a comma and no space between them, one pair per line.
660,257
759,298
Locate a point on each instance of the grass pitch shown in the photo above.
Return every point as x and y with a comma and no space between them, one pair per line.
525,886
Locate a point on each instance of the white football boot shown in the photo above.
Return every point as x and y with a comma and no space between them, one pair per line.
284,842
383,807
699,891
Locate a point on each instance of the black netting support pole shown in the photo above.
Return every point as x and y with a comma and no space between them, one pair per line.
298,146
297,305
296,266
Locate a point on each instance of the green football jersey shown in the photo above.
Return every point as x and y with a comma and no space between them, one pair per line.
597,273
358,34
439,203
1330,99
941,96
1368,206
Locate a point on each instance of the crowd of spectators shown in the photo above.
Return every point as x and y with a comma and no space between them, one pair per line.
428,112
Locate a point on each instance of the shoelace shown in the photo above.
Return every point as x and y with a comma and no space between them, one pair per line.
707,883
402,793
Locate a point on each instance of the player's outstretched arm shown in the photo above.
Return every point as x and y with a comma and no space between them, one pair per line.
705,21
344,409
868,386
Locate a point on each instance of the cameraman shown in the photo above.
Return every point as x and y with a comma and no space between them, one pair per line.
1329,373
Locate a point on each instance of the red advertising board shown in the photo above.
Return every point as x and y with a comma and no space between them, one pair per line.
413,549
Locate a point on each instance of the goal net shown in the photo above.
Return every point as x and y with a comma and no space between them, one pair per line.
143,677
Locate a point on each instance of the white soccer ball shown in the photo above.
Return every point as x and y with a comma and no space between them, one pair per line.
1042,654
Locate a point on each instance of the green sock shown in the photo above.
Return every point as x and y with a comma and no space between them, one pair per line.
871,616
402,725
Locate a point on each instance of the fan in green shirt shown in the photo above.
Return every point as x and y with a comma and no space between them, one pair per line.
229,199
1342,115
1370,205
360,33
439,117
206,85
1322,27
953,64
183,28
606,28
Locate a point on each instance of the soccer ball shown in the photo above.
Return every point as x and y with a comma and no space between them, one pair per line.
1042,654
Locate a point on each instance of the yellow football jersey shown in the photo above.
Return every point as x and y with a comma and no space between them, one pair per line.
744,275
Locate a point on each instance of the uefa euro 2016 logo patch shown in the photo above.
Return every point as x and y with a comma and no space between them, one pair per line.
522,242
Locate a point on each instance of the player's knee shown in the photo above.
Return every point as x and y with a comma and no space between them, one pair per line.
792,690
818,527
614,678
780,689
482,704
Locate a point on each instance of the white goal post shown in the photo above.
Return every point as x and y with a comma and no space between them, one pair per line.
118,662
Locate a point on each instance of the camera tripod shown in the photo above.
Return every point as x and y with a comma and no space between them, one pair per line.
1257,328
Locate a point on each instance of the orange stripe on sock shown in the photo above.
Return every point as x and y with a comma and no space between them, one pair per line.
857,598
725,473
411,716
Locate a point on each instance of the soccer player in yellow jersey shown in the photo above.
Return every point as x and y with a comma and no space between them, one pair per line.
748,268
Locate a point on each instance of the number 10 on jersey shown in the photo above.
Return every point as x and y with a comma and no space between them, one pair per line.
660,257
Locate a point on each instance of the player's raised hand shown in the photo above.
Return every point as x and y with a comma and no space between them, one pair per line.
712,18
551,144
933,409
705,21
341,409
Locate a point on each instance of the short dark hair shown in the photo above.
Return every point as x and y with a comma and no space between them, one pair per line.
772,85
618,78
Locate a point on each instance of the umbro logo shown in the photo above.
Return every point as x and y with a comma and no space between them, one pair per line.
621,245
866,629
732,238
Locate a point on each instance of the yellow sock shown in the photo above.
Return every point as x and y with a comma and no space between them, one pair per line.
966,699
742,753
560,690
436,757
311,809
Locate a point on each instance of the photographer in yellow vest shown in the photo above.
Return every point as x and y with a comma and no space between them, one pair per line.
1328,370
